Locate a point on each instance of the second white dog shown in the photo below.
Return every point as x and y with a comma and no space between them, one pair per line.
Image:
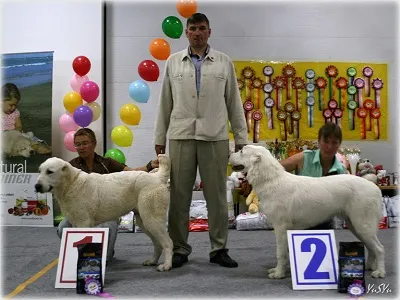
293,202
87,200
16,143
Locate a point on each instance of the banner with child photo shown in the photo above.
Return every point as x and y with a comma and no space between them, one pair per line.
26,137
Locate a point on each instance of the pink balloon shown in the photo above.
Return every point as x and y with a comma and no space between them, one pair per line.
89,91
77,81
69,141
67,123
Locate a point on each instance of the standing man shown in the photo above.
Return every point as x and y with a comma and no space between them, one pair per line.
199,94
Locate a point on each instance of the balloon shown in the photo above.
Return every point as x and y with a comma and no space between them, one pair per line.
122,136
160,49
71,101
67,123
89,91
96,109
130,114
139,91
186,8
77,81
69,141
149,70
83,116
81,65
172,27
116,154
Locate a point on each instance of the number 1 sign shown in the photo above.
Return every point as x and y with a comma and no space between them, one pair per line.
313,259
68,258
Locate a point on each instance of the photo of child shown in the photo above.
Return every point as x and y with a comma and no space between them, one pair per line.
26,104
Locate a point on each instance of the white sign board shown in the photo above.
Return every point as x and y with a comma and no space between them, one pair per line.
313,259
68,257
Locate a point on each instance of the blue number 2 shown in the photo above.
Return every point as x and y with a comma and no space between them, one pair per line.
316,260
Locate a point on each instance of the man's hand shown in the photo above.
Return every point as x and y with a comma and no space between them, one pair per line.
239,147
160,149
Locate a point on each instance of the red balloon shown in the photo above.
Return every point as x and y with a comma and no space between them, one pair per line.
81,65
148,70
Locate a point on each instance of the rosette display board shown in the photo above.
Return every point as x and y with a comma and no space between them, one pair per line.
291,100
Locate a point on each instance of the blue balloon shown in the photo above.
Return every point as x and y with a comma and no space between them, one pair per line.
139,91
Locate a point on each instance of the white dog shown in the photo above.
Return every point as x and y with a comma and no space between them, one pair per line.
293,202
16,143
87,200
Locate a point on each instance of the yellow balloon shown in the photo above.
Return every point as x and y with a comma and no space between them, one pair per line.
122,136
72,100
96,109
130,114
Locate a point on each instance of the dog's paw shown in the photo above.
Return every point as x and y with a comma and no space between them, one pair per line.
370,266
271,270
276,273
378,274
150,262
164,267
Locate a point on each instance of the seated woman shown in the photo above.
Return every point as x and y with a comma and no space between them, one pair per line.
320,162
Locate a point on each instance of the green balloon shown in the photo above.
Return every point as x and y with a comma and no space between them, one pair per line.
172,27
116,154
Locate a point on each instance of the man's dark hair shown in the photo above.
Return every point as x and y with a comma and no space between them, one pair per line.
330,130
197,18
86,132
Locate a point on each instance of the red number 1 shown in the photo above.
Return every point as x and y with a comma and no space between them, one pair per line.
86,239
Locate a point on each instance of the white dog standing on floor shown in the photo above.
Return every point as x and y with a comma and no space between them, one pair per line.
293,202
87,200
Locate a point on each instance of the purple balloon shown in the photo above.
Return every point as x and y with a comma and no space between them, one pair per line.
83,116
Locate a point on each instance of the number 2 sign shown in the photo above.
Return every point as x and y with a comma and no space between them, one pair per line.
313,259
68,258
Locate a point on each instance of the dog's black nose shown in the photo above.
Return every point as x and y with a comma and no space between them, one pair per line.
38,187
32,152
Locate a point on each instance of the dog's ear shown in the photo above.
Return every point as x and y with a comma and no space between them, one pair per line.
255,158
64,168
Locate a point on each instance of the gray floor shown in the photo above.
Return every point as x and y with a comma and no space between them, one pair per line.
27,250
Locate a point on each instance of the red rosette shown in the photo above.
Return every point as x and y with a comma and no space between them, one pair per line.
367,71
281,115
298,83
320,82
240,84
362,113
248,72
341,83
359,82
256,115
376,113
377,84
327,113
338,113
332,104
257,83
248,105
279,82
289,71
289,107
369,104
331,71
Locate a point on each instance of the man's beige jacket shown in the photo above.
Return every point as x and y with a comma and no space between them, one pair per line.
201,117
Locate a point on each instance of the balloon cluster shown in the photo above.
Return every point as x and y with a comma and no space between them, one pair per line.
149,71
79,103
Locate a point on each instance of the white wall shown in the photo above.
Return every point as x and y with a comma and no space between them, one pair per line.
58,26
299,31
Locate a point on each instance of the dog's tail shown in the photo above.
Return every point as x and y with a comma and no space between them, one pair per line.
164,168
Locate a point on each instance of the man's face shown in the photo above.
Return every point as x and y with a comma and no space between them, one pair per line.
198,34
85,146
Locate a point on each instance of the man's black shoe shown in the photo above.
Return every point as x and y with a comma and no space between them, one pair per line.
222,258
178,260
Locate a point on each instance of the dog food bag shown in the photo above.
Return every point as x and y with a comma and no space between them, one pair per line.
393,211
383,224
248,221
351,267
126,223
89,269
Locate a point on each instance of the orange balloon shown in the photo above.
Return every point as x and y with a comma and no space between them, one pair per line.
160,49
186,8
